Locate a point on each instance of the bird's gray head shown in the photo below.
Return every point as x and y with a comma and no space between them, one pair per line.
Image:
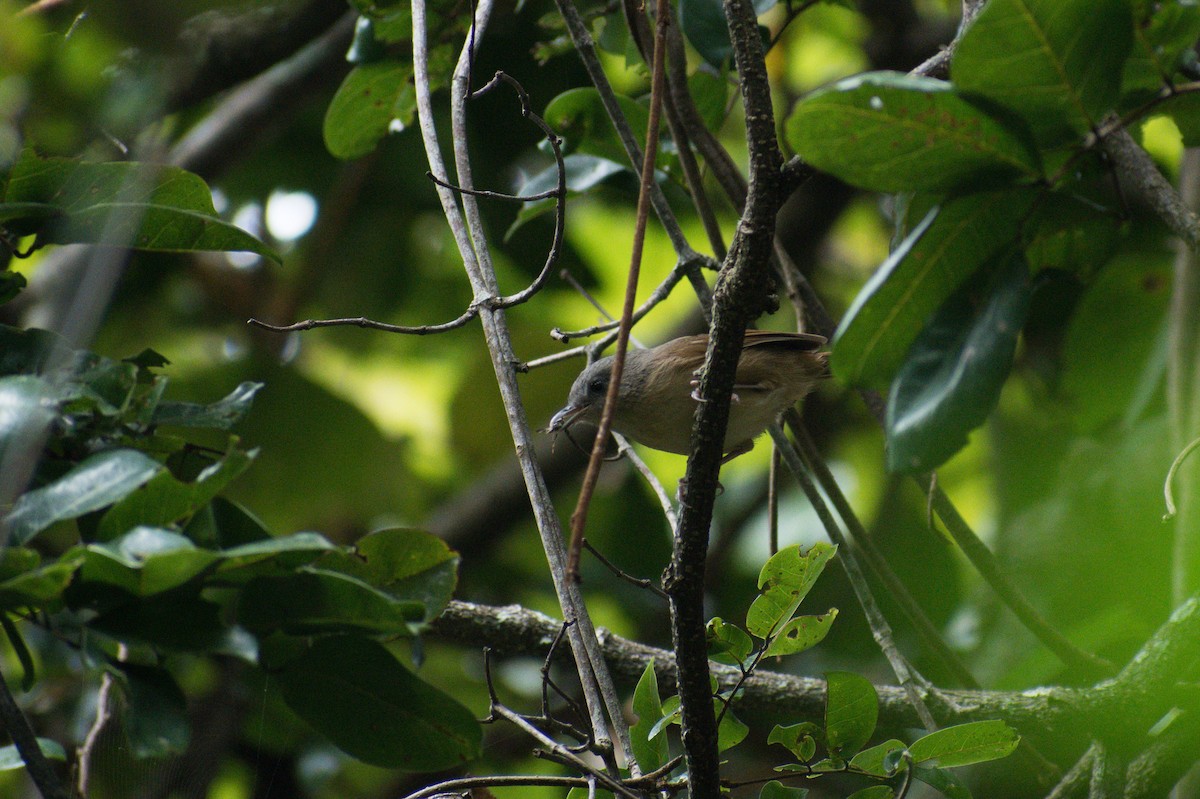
586,398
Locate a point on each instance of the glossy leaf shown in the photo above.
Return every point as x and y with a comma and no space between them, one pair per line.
100,480
875,760
801,633
651,751
146,561
220,415
952,377
144,206
28,406
10,758
364,106
578,115
166,499
1070,235
315,600
784,581
703,23
270,557
938,255
352,691
905,134
1056,63
964,744
410,565
851,710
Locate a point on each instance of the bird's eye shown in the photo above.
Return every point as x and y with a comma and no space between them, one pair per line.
596,385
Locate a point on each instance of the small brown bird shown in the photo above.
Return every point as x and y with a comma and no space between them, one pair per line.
656,401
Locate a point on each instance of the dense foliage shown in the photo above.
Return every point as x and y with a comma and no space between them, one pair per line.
247,566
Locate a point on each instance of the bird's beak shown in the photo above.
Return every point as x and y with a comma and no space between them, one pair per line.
565,418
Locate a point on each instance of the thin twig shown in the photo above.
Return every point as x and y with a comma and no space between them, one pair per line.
370,324
24,738
639,582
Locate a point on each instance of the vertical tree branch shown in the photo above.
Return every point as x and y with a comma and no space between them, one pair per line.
740,296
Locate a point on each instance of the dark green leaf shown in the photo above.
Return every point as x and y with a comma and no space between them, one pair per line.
21,650
890,132
947,247
851,710
30,352
873,792
801,739
784,581
220,415
876,760
410,565
362,111
170,622
156,723
964,744
727,643
731,730
1161,42
223,524
651,752
944,781
1070,235
703,23
1056,63
578,116
710,92
38,586
144,206
357,695
10,758
777,790
801,633
11,284
314,601
952,377
270,557
101,480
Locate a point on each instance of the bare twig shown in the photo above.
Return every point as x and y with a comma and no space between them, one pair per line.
370,324
24,738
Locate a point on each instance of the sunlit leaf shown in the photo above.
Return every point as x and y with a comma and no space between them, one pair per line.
964,744
851,710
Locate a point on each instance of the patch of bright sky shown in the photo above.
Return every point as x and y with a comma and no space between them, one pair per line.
1162,140
290,214
406,397
821,46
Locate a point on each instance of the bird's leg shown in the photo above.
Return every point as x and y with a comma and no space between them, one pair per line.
740,449
696,392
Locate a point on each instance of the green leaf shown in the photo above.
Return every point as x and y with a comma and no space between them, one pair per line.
731,730
270,557
885,131
851,710
874,760
1184,111
98,481
409,565
170,622
777,790
220,415
651,751
165,499
146,561
1070,235
21,650
578,116
785,579
31,351
10,758
873,792
582,172
315,601
944,781
703,23
952,377
156,723
28,407
800,739
357,695
964,744
938,255
125,204
1163,37
1056,63
801,633
37,585
727,643
361,113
